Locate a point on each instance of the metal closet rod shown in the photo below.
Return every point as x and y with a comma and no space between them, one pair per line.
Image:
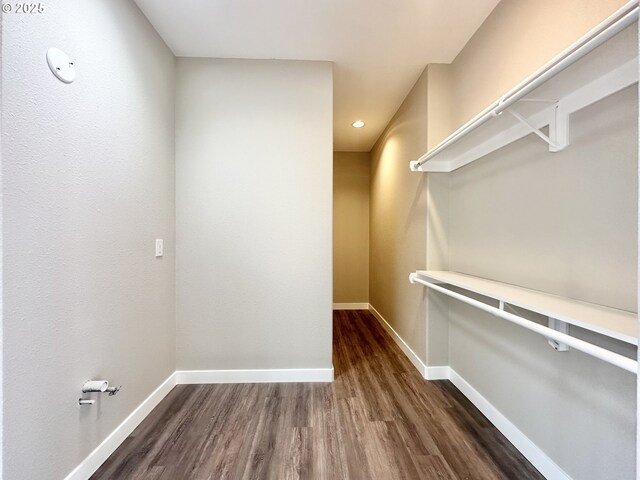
586,347
613,25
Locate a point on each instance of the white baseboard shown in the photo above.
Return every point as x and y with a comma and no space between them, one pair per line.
351,306
529,450
109,445
438,373
255,376
411,355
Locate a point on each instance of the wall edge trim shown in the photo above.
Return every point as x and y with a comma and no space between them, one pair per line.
404,346
101,453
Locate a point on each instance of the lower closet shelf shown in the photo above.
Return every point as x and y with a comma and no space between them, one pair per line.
562,311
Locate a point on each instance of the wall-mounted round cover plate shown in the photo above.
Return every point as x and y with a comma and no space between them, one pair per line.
61,65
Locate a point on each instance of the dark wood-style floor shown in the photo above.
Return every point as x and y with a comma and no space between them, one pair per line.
379,420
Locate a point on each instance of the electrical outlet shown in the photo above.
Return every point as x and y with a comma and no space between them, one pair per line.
159,247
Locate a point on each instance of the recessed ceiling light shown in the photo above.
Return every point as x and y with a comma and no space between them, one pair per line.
358,124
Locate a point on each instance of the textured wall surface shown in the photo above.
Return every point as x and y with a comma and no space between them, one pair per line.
88,182
254,196
1,274
351,174
563,223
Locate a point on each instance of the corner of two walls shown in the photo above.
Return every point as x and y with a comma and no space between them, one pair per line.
439,125
402,226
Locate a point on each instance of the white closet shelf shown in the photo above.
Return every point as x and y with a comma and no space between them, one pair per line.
611,322
600,64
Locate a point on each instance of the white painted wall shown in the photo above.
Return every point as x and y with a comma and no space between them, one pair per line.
638,309
1,270
88,182
254,214
564,223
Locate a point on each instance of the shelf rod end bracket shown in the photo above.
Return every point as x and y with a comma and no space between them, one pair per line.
415,166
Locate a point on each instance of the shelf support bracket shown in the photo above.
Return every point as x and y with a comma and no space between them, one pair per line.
561,327
559,128
558,138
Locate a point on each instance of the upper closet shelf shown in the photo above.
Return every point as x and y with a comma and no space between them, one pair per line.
611,322
600,64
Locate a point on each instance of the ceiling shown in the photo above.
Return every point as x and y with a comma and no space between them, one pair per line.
379,47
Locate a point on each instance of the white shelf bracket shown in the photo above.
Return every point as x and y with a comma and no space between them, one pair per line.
561,327
558,138
559,129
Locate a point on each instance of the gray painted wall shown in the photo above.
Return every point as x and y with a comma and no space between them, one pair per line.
1,273
564,223
254,214
88,182
437,305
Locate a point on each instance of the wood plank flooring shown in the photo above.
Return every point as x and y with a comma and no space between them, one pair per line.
378,420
